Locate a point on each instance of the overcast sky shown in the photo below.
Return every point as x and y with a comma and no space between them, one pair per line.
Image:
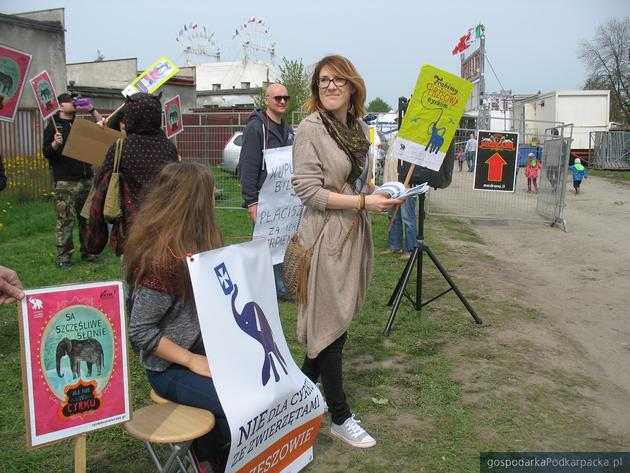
531,44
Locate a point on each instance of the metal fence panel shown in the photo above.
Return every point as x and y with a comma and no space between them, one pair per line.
205,144
610,150
27,171
461,200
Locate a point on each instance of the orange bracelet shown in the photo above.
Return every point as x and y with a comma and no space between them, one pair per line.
361,202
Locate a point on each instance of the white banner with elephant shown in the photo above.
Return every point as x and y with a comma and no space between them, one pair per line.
273,410
74,360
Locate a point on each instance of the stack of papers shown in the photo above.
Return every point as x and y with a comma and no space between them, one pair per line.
396,190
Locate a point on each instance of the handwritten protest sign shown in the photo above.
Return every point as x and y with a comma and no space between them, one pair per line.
14,66
45,94
153,77
279,209
273,410
74,360
432,117
173,117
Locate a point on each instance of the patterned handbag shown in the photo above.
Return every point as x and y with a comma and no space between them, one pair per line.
297,263
112,209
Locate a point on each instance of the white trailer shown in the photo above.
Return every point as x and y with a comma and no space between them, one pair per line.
587,110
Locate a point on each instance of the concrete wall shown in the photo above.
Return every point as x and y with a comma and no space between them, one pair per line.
116,73
42,35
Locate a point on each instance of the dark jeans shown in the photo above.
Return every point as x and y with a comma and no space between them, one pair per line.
179,384
328,365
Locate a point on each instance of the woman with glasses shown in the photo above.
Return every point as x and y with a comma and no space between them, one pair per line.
331,177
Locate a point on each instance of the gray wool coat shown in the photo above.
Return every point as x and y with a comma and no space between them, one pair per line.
337,282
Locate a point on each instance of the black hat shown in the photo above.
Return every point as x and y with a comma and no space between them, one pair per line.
63,98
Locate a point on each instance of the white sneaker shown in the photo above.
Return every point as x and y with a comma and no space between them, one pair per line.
352,433
319,386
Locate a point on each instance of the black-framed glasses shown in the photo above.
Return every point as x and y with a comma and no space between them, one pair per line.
324,82
280,98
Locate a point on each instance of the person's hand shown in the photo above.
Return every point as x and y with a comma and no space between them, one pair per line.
199,364
57,141
252,210
380,202
10,286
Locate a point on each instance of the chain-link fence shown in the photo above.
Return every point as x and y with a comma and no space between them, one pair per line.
219,147
609,150
547,204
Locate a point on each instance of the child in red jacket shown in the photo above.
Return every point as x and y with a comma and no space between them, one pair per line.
531,172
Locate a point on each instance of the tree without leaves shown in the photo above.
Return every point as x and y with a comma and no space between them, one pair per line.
378,105
607,59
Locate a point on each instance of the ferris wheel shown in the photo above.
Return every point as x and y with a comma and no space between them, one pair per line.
197,44
255,40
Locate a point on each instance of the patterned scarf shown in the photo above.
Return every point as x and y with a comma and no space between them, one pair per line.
352,141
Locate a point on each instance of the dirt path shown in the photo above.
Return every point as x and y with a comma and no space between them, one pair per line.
580,282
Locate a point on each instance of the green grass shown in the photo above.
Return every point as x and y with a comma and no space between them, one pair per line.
435,393
611,174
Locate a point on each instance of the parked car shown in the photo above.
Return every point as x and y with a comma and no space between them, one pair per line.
232,153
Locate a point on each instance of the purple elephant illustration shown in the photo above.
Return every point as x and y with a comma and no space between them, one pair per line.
253,322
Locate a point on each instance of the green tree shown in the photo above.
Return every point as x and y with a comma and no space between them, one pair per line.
607,60
378,105
295,78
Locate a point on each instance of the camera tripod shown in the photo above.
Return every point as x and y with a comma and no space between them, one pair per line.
416,257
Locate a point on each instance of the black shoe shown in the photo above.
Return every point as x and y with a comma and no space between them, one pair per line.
94,259
65,264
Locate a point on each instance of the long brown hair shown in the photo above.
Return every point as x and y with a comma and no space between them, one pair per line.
177,217
344,68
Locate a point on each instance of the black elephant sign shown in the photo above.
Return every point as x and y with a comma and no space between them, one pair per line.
14,66
74,360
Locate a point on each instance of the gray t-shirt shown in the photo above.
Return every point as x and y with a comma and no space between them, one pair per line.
157,314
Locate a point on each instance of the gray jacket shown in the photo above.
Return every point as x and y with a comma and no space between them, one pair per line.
158,314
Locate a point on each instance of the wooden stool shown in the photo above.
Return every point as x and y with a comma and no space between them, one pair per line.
173,424
155,397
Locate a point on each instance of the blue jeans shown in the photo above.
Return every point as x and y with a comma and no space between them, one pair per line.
406,216
278,274
179,384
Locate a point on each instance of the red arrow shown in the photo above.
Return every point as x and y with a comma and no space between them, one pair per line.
495,167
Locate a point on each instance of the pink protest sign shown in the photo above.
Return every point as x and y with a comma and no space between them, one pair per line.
14,66
45,94
173,117
74,360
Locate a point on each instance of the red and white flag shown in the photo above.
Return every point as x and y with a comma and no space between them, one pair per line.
466,40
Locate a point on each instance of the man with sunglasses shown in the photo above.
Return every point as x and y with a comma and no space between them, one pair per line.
266,129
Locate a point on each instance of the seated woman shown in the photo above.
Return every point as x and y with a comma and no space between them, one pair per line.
176,218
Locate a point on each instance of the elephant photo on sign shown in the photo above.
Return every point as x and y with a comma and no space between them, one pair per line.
89,350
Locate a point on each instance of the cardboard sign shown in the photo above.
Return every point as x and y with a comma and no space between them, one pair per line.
74,360
496,161
89,142
173,117
14,66
152,78
432,117
273,410
279,209
45,94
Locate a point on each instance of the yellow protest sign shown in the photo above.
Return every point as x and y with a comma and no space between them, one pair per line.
432,117
153,77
